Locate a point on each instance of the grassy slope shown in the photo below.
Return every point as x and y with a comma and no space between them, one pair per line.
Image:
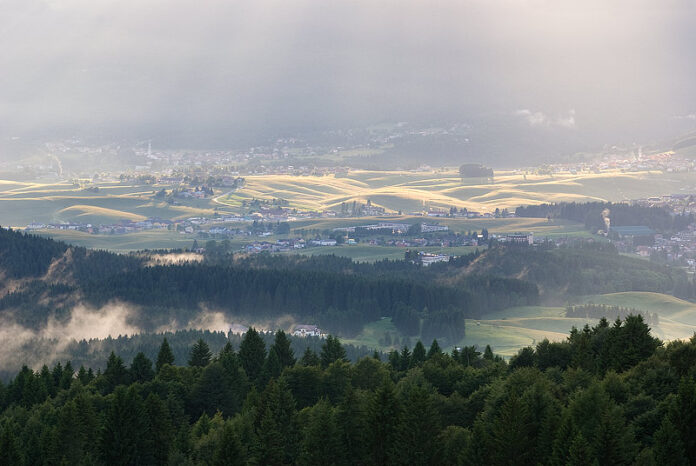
511,329
23,203
677,317
372,333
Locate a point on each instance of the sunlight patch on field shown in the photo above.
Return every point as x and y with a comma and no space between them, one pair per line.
504,339
83,210
402,189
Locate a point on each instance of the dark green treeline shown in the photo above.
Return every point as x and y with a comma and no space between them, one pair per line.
610,394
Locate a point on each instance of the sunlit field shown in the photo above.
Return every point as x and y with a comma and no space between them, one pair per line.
417,191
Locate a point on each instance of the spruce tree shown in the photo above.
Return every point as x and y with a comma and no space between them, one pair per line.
115,373
9,451
277,429
309,358
383,423
252,354
161,427
580,453
488,353
281,345
351,420
321,444
141,368
165,355
127,438
331,351
405,358
669,448
67,376
509,437
419,417
228,450
272,367
434,349
200,354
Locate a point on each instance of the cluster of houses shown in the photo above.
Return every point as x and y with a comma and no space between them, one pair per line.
122,227
299,330
633,161
677,204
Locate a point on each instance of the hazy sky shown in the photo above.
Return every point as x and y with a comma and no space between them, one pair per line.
220,67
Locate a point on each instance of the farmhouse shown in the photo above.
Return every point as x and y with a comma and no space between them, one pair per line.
306,331
428,259
520,238
426,228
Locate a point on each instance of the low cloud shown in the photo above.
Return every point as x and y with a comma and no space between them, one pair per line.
24,346
175,259
542,120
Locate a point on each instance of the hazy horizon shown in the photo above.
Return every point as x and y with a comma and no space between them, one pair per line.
225,73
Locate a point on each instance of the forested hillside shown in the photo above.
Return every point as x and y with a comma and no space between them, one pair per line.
609,395
588,269
332,292
592,214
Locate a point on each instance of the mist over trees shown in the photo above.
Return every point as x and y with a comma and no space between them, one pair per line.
608,394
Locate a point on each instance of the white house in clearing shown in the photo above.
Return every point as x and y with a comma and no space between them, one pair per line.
306,331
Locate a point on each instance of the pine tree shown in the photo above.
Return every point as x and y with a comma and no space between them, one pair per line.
141,368
412,446
47,380
669,448
200,354
9,450
580,453
281,345
488,353
228,450
320,443
331,351
683,415
66,377
83,376
383,423
309,358
115,373
405,359
351,420
277,430
161,427
272,368
510,441
269,447
613,442
214,391
165,355
69,434
252,354
434,349
126,438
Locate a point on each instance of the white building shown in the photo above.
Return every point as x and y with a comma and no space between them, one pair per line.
425,228
306,331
